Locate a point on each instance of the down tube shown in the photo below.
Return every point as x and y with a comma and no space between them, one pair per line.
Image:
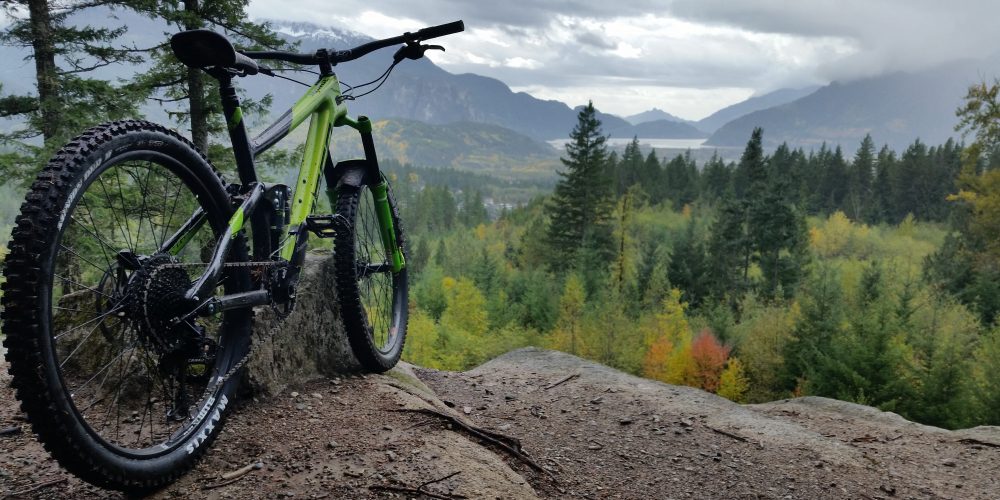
308,181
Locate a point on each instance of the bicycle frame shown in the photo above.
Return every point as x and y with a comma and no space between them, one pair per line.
321,106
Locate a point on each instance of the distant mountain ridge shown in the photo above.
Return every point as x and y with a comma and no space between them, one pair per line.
463,145
654,115
712,122
895,109
617,127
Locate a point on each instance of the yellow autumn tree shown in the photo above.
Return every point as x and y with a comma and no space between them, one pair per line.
668,340
463,324
568,335
422,340
733,383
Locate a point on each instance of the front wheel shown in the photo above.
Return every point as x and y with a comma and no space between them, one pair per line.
373,298
120,393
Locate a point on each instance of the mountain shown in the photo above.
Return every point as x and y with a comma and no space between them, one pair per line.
653,115
669,129
712,122
416,90
895,109
466,145
617,127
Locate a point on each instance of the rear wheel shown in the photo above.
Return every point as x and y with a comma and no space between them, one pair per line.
117,389
373,299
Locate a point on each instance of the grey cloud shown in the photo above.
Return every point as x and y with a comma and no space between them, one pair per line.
776,42
595,40
889,35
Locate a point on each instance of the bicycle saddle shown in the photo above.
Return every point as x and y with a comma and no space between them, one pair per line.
206,48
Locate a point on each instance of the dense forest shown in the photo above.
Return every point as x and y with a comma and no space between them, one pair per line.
862,276
870,275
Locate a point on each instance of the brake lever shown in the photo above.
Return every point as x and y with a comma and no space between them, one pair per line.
414,51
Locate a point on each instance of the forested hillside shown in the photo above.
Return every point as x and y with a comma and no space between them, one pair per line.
786,274
869,274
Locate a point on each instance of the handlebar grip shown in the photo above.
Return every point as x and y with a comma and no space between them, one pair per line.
246,64
442,30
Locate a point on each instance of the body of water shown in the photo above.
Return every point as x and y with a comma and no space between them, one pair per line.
656,143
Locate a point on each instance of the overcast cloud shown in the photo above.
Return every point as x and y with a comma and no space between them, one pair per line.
688,57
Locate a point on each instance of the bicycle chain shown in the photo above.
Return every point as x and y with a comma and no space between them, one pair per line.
254,345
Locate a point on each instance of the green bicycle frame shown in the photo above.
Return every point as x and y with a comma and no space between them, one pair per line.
321,106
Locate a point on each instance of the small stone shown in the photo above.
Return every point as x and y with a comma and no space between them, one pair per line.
467,410
504,427
295,394
625,421
300,406
317,395
391,455
949,462
332,444
509,397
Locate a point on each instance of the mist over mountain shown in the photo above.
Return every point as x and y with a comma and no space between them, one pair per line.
895,109
712,122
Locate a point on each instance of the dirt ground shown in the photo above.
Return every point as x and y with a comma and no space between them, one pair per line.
597,433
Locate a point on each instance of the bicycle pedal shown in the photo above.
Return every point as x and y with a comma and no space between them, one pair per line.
326,226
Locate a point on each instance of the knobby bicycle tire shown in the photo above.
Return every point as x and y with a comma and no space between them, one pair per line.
373,305
63,407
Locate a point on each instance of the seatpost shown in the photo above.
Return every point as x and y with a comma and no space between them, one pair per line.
237,131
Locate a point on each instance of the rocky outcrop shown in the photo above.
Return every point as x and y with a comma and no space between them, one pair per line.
308,343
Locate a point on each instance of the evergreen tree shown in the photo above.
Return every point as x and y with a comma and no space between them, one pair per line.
651,177
581,204
882,196
715,180
629,168
688,270
66,100
169,81
859,182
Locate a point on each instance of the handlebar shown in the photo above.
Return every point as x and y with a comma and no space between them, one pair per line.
339,56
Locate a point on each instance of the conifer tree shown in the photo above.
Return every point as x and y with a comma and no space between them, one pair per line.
859,182
582,202
67,100
169,81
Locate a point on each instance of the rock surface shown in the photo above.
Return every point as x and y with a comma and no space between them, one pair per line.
307,344
586,431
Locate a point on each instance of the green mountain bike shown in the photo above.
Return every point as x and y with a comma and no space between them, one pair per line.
134,268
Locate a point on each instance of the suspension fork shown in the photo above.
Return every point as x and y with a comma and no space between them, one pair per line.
380,192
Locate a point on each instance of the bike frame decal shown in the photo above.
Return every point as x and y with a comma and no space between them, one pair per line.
236,119
236,223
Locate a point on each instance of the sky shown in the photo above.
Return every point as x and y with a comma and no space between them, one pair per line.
687,57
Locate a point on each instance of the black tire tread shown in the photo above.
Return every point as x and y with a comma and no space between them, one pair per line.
20,313
348,294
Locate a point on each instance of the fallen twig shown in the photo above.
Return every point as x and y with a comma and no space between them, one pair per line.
39,486
509,444
10,431
232,477
728,434
419,490
561,381
981,443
